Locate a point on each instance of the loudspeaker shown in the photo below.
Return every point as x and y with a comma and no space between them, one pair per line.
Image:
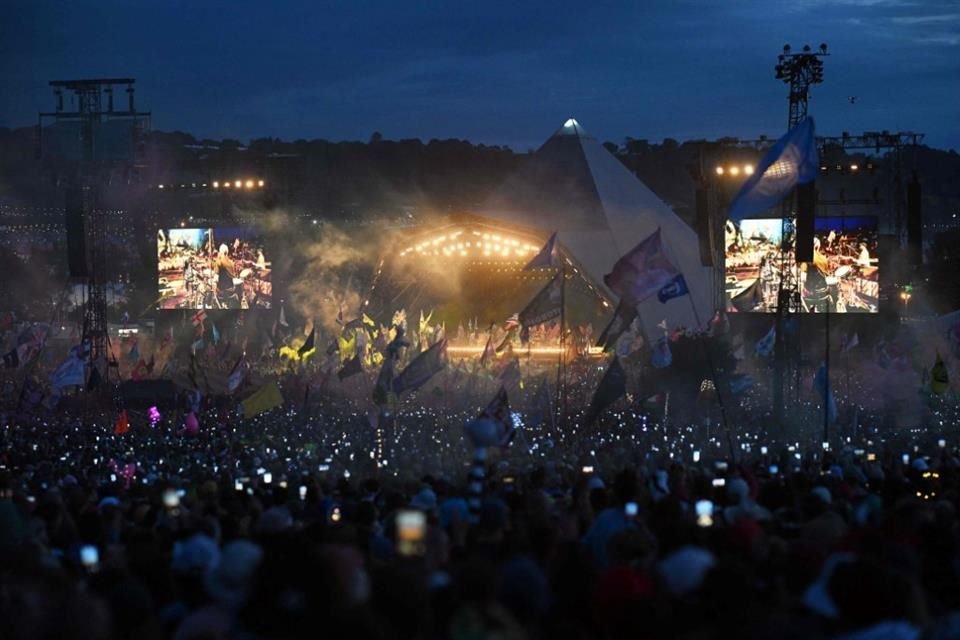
704,227
76,238
914,222
806,207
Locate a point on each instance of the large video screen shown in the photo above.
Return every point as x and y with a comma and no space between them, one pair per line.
843,277
219,268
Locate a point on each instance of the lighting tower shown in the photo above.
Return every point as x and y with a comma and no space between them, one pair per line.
799,71
92,112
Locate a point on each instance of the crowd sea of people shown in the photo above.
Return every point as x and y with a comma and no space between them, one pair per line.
285,526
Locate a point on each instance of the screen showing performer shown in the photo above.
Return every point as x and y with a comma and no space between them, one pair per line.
214,268
842,278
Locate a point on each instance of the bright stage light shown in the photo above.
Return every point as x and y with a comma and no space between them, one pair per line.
260,183
748,169
854,167
734,170
216,185
237,184
719,171
249,184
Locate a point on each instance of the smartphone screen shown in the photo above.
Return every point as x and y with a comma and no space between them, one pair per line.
630,509
411,530
170,499
89,557
719,482
704,510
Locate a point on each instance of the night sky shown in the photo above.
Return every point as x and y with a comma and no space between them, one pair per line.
492,71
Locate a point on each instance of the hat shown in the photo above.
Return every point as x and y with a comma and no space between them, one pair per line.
683,570
596,483
425,500
197,554
229,581
738,488
109,501
823,493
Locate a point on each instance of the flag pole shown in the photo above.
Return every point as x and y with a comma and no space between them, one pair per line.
563,339
716,386
826,376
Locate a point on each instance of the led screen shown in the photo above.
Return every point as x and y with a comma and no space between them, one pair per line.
843,277
218,268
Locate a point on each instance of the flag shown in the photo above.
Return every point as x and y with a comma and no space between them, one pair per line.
545,306
510,375
740,382
122,424
764,347
424,324
423,367
673,289
488,352
848,343
384,384
134,354
939,377
623,316
612,387
547,257
748,299
236,375
140,371
347,346
541,405
498,412
661,356
198,322
11,360
95,378
351,367
308,345
69,373
283,317
642,272
821,383
793,160
263,399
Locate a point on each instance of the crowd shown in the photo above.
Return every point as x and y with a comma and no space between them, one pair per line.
290,525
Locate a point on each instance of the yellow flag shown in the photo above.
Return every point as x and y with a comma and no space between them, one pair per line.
348,347
263,399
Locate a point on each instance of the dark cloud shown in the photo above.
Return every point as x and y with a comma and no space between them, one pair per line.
493,71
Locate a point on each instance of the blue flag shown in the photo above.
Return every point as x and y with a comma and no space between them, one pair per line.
792,161
673,289
69,373
548,256
764,347
661,357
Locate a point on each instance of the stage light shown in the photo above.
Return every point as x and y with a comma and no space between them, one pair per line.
719,171
249,184
216,184
734,170
824,169
748,169
854,167
237,184
159,186
260,183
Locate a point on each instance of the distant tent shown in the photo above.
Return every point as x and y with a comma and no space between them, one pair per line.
573,185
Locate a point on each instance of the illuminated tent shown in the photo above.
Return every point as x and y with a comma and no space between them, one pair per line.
574,186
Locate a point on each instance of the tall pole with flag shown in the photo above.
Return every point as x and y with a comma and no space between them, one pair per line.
547,257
